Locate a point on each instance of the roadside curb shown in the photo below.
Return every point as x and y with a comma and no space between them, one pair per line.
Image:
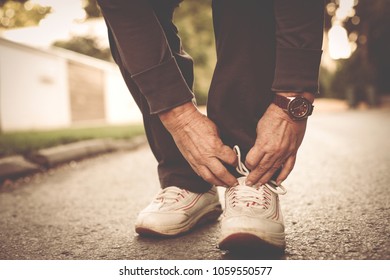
16,166
13,167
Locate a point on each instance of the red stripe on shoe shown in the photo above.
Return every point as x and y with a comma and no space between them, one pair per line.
191,204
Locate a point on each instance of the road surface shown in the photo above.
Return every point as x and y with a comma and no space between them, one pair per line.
337,205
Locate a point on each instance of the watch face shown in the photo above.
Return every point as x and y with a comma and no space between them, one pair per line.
299,108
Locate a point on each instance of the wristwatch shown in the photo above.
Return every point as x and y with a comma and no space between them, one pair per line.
297,107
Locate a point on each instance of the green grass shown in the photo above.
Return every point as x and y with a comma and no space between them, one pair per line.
29,141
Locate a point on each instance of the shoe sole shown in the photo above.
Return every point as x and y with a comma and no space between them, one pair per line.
245,242
208,217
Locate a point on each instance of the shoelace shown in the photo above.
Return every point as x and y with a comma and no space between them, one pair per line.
171,195
245,196
253,196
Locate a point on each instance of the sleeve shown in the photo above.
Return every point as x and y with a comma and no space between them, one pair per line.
299,35
145,53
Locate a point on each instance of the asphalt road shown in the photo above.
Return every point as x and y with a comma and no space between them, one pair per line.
337,205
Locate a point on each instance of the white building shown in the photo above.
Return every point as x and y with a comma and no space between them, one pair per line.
55,88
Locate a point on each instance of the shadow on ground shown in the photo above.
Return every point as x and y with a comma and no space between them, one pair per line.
201,241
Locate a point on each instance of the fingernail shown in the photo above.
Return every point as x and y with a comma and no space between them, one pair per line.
235,184
248,183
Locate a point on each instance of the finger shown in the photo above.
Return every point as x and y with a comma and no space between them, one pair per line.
268,175
287,168
259,171
211,171
209,177
219,171
227,155
254,157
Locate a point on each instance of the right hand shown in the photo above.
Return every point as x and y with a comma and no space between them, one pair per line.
197,138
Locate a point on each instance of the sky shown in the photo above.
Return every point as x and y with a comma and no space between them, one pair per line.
65,20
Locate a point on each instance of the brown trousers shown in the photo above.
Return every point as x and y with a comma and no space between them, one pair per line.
146,46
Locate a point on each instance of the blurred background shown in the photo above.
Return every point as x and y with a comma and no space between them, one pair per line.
59,85
58,82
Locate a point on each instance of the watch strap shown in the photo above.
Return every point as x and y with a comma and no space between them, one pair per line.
281,101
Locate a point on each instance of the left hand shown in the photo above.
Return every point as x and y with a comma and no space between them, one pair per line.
276,146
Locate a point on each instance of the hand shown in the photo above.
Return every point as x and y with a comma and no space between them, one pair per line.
276,146
197,138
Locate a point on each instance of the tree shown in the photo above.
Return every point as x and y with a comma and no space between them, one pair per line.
21,13
370,29
374,35
194,21
92,9
87,46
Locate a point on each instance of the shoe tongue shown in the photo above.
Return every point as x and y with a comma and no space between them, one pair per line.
169,195
241,181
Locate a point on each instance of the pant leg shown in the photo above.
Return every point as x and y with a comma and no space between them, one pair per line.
240,90
173,169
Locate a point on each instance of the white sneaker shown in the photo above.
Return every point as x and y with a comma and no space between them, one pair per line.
252,218
175,211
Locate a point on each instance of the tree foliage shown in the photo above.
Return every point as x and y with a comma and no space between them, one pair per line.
194,21
374,35
92,9
21,13
370,24
85,45
370,63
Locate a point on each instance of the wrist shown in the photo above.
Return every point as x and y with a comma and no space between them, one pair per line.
309,96
175,117
298,106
